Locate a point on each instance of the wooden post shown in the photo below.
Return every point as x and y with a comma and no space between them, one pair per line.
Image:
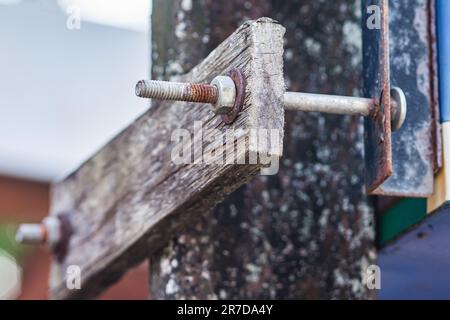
133,196
307,232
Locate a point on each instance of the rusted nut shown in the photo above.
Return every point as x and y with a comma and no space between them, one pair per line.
240,84
226,90
176,91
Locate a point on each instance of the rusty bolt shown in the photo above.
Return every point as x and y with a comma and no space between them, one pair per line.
53,231
31,233
165,90
225,93
48,232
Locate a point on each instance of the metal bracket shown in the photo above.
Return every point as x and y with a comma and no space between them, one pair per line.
400,53
377,134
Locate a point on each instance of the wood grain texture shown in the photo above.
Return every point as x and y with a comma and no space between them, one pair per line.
130,197
307,232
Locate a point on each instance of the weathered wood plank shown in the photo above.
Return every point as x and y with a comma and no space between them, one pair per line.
308,232
130,196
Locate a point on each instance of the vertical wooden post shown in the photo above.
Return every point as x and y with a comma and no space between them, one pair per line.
307,232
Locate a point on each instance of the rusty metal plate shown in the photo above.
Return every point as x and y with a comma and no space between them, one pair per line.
412,68
377,134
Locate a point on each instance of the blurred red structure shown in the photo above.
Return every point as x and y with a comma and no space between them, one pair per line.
28,201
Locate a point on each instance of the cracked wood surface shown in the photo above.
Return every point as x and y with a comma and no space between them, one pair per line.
307,232
129,197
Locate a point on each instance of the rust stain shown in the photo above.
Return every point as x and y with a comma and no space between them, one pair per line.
382,118
374,109
434,91
201,93
44,233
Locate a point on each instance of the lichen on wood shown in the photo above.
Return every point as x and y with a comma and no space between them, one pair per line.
307,232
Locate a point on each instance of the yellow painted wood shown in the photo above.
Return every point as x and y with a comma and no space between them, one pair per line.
438,197
441,193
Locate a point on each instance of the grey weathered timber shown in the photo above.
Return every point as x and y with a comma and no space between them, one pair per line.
307,232
130,197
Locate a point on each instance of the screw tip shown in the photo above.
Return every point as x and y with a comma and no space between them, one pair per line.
139,89
30,234
19,235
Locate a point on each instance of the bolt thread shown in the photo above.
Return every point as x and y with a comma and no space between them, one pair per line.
164,90
160,90
31,234
203,93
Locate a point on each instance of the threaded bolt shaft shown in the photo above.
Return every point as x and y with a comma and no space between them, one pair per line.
189,92
31,234
47,232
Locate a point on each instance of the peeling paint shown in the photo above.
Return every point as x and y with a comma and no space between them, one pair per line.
412,146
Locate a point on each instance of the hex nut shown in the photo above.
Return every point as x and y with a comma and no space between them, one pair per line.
53,226
226,94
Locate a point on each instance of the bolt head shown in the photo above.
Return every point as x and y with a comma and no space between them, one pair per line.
398,115
226,94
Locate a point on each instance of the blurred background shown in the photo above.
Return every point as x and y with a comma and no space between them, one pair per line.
65,67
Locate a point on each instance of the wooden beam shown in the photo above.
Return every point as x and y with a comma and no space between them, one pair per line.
130,196
308,231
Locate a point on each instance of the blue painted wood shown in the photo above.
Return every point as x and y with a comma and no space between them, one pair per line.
402,164
410,47
417,265
443,25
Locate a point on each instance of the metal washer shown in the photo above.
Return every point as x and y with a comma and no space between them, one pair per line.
239,80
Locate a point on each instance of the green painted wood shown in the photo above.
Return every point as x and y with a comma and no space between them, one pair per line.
400,218
8,243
